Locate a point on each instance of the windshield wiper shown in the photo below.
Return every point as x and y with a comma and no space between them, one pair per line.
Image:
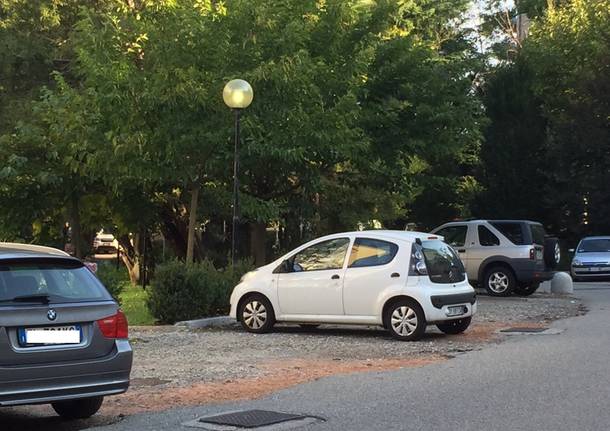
42,298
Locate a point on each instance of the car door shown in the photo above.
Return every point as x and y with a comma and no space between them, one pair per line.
459,237
485,244
372,266
314,285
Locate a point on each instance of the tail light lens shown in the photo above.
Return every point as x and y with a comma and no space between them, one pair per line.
114,326
532,253
418,263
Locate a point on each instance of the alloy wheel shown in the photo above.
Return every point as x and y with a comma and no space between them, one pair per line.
498,282
404,321
254,314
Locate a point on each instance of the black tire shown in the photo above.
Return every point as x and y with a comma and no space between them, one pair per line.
527,290
406,310
256,314
309,325
499,280
456,326
82,408
552,253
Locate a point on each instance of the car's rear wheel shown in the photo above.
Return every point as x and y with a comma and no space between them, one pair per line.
456,326
82,408
527,290
405,320
256,314
499,281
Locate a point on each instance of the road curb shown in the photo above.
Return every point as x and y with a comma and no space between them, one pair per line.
208,322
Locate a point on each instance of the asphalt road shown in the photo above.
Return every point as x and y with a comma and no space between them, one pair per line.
529,382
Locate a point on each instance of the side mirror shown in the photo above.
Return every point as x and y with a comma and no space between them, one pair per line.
571,250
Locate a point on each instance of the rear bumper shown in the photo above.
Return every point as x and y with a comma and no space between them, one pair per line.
528,271
45,383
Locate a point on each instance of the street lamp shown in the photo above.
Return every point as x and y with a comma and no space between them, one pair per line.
237,95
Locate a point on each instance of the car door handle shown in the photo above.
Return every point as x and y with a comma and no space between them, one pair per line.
335,277
461,250
395,275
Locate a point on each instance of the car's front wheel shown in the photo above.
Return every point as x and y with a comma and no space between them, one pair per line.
456,326
405,320
82,408
256,314
499,281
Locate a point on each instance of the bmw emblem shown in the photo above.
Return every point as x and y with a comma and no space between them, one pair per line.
52,314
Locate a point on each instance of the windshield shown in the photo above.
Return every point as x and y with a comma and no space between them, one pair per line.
594,245
26,282
444,265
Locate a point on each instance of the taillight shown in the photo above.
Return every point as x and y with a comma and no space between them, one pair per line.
114,326
418,262
532,253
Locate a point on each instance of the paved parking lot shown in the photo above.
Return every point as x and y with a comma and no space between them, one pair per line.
174,366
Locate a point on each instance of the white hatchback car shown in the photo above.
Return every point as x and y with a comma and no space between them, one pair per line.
401,280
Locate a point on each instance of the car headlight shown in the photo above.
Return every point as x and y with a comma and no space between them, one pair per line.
576,262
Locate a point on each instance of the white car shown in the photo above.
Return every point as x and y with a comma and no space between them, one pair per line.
401,280
105,243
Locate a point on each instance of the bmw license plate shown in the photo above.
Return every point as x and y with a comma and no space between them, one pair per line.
50,335
456,310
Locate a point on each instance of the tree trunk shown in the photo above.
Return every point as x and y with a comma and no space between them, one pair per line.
77,241
190,242
130,258
258,233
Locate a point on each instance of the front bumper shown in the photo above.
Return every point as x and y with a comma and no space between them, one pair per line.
46,383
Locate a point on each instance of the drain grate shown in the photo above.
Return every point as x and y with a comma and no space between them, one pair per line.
528,330
251,418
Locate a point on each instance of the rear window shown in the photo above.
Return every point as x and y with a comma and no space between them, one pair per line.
512,231
55,282
444,265
538,234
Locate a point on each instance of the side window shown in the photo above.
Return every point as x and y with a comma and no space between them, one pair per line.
487,237
323,255
512,231
371,252
455,236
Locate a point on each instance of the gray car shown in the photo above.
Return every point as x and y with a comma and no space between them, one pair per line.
63,339
591,258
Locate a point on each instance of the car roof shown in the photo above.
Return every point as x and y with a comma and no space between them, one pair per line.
10,250
386,234
597,237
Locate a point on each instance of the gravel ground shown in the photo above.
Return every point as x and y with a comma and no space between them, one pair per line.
177,356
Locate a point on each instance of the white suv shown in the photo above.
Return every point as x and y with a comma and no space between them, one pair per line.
401,280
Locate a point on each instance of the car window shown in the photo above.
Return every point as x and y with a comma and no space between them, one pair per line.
444,266
538,234
512,231
60,281
371,252
601,245
323,255
487,237
454,235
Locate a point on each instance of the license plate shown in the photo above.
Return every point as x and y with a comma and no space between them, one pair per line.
539,254
50,335
456,310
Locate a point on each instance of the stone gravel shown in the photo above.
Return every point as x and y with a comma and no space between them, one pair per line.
179,356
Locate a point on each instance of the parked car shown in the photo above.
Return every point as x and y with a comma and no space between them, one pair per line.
105,243
591,258
63,339
503,256
401,280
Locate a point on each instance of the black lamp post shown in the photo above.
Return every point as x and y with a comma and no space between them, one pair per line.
237,95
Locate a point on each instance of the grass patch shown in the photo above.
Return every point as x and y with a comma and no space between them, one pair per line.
133,304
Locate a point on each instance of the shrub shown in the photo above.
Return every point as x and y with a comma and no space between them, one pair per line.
114,279
182,291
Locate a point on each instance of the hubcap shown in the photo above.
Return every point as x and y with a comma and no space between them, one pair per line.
498,282
404,321
255,314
